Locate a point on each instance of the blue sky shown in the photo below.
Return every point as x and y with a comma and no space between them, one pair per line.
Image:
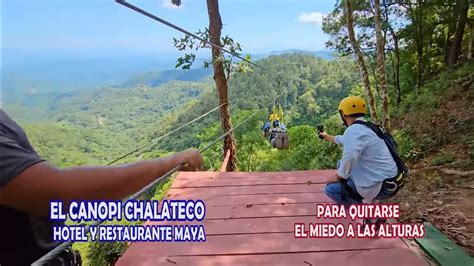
103,28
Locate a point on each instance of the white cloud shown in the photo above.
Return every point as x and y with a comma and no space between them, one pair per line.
169,5
315,18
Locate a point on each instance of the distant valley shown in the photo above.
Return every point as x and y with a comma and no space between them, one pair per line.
48,78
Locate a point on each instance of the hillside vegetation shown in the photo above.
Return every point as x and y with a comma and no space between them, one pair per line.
94,127
82,127
433,127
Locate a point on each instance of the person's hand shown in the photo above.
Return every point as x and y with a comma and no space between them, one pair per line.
322,134
332,179
191,159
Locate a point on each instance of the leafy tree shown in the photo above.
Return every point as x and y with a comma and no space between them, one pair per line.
360,59
222,66
382,76
460,13
215,28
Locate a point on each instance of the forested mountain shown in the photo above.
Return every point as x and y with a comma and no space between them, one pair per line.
95,126
26,78
310,86
321,54
135,113
157,78
126,108
72,145
311,89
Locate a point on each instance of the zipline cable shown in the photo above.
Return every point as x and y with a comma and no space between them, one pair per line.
176,168
169,24
58,249
180,29
152,143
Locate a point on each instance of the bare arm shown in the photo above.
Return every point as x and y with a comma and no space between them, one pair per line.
328,137
34,188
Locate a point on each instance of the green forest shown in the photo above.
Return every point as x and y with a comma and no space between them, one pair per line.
414,61
82,128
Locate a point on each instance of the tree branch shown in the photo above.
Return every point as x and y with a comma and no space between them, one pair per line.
457,172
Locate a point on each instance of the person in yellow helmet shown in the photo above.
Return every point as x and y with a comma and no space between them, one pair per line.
366,160
273,117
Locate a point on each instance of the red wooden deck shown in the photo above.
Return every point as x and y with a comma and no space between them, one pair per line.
250,219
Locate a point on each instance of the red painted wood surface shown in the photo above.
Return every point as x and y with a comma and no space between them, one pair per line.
250,221
253,190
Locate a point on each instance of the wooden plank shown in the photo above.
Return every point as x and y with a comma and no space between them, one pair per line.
278,210
443,250
240,175
259,210
373,257
217,182
189,193
261,244
251,225
265,199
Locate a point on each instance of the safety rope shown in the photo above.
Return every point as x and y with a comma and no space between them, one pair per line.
169,24
58,249
180,29
152,143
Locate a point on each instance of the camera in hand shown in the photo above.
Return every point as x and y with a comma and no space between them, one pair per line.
320,129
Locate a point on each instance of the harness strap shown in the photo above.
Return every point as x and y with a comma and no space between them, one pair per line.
394,184
402,168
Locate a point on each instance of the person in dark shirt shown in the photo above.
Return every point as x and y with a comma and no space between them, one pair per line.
28,183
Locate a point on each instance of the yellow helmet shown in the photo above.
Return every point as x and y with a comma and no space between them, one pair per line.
352,105
274,117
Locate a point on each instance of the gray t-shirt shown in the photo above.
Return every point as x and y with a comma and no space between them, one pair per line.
24,238
16,153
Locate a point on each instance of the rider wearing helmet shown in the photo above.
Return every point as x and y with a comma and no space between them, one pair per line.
366,160
273,132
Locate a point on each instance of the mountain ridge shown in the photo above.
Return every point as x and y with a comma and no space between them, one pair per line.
61,75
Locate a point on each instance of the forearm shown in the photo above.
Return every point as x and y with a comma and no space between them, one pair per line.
33,189
116,182
330,139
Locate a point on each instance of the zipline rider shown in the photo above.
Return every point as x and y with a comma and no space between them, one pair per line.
366,162
28,183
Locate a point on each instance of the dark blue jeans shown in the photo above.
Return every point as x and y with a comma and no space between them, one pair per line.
334,192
